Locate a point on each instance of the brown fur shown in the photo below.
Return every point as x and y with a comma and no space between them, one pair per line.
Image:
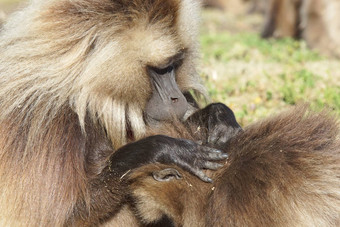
283,171
73,84
316,21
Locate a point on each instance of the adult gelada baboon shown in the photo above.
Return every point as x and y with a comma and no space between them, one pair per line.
283,171
80,79
316,21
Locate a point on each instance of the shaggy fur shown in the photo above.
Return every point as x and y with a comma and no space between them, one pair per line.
73,81
283,171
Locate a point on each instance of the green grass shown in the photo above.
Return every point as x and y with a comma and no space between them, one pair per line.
225,46
258,77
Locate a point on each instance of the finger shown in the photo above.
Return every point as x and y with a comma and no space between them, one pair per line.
203,177
199,142
212,153
207,150
214,136
195,171
212,165
218,138
216,156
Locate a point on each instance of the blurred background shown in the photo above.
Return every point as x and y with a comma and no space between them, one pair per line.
260,56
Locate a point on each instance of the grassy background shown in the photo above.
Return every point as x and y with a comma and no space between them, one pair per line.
257,77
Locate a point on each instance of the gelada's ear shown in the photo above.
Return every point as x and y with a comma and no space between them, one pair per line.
166,175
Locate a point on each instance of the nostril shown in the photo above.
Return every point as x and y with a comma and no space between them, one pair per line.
174,100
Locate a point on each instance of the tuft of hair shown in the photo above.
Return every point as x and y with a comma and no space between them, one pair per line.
64,61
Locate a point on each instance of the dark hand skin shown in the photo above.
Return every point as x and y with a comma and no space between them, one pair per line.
187,154
218,123
109,190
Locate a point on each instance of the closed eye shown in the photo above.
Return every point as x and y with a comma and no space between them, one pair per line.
173,63
162,71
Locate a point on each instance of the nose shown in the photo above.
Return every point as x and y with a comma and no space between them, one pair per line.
178,105
174,100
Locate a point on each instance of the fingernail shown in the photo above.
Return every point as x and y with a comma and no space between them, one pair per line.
225,155
208,180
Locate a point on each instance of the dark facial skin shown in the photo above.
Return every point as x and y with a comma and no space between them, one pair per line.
167,101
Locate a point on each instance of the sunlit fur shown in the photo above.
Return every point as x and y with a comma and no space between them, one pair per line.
283,171
62,61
